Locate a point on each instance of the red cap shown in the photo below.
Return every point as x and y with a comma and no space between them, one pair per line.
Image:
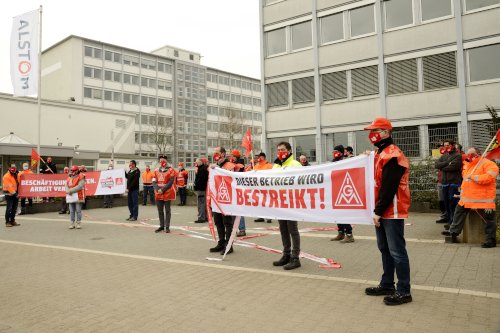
236,153
74,168
382,123
181,164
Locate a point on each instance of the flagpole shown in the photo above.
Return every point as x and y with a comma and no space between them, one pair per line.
484,154
39,94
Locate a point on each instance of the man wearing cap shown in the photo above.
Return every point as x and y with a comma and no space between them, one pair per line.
181,182
345,230
164,187
392,200
262,164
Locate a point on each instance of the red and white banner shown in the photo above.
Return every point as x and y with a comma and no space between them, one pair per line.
340,192
96,183
24,49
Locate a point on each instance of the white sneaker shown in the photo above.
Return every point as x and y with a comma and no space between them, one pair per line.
78,226
72,225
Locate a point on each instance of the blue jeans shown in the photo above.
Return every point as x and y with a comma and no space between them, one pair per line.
75,210
392,245
242,226
450,202
133,203
148,189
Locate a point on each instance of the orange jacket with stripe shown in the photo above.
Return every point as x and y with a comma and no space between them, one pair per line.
479,186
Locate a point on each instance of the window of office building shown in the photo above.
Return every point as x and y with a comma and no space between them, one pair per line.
484,63
332,28
440,71
362,141
148,64
277,94
334,86
276,41
432,9
95,73
303,90
364,81
402,77
476,4
407,138
301,35
87,92
112,56
165,68
306,145
165,85
130,60
398,13
235,83
440,132
362,21
131,79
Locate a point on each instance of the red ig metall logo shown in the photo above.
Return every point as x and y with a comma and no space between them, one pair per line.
224,189
348,189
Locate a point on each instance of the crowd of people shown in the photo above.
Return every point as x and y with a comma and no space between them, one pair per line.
466,183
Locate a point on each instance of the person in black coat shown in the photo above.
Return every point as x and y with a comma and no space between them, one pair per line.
133,176
200,186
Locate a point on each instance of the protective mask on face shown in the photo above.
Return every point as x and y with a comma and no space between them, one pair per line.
374,137
337,154
442,150
282,155
472,157
25,168
216,157
12,170
163,164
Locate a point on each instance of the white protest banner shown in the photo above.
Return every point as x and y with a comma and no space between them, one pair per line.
111,182
24,49
340,192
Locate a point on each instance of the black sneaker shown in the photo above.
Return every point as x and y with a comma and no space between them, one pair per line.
446,226
442,221
160,229
224,250
259,220
294,263
217,248
445,233
133,219
488,245
397,299
379,291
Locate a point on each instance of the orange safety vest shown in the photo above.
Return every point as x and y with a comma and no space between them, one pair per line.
263,166
478,188
182,177
22,173
398,209
73,182
147,177
230,166
9,183
162,178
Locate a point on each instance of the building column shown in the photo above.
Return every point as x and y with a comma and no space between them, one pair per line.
423,133
320,156
379,26
457,6
263,97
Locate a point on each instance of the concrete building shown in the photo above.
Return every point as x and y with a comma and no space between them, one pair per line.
331,66
180,107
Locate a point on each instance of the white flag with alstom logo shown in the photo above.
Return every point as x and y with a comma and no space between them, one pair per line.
24,49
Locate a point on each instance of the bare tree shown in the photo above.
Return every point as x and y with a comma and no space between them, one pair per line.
232,131
163,134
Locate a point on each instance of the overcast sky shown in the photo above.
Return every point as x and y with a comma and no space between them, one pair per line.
224,32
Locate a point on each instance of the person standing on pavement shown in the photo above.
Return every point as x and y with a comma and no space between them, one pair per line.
478,193
108,198
392,200
49,168
345,230
450,164
64,205
262,164
75,186
289,230
200,186
164,187
133,190
223,223
235,157
147,182
26,171
10,184
181,183
444,214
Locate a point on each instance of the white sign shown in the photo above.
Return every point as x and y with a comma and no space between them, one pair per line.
111,182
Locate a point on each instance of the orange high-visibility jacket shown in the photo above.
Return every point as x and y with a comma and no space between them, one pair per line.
147,177
24,172
73,182
162,178
9,183
479,187
398,209
263,166
182,178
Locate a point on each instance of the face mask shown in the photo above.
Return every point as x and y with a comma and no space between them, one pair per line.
472,157
449,149
25,168
282,155
442,150
260,159
374,137
217,157
163,164
130,166
337,154
12,170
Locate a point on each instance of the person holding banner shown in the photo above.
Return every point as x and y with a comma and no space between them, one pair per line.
392,200
133,190
26,170
50,168
288,229
223,223
262,164
164,187
75,196
10,188
345,230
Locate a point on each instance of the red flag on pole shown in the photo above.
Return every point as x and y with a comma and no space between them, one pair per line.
35,158
494,152
247,142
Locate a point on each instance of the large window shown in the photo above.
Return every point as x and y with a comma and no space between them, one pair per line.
332,28
432,9
277,94
407,139
402,77
476,4
301,35
364,81
362,21
303,90
398,13
276,41
484,63
306,145
440,71
334,86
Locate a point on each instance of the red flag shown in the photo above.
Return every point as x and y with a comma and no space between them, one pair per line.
498,136
247,143
35,158
494,153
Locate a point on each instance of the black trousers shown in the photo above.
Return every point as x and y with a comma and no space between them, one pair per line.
289,231
224,225
10,211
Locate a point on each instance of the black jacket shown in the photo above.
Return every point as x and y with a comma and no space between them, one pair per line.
133,179
52,166
451,167
201,178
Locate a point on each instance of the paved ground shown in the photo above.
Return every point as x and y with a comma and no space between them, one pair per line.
115,276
